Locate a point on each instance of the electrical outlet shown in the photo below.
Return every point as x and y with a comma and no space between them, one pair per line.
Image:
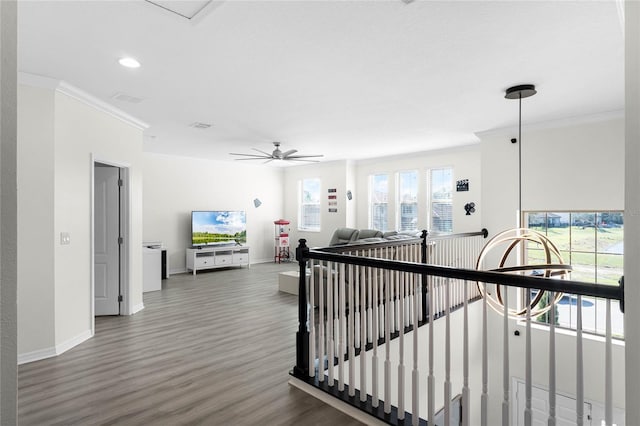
65,238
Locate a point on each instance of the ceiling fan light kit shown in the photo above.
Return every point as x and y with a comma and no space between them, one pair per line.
277,154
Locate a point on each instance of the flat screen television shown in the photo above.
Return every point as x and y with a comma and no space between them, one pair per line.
218,227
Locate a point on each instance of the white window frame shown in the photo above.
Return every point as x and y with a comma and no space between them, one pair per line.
598,328
302,225
431,201
399,199
373,225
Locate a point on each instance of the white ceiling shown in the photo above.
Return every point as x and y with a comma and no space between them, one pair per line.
347,79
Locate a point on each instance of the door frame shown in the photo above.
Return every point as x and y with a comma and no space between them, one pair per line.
126,307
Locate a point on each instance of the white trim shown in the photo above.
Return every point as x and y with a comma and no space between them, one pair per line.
59,349
36,355
79,95
73,342
334,402
137,308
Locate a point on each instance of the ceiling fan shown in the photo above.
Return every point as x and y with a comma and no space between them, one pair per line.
277,154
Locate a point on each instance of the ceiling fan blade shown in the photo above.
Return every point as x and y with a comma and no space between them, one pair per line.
302,159
288,153
268,154
252,158
293,157
250,155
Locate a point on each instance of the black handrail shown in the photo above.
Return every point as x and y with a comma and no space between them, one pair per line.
522,281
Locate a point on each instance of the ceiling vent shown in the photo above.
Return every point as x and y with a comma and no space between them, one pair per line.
199,125
123,97
187,9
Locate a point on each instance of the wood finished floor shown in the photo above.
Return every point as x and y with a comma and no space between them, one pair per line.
214,349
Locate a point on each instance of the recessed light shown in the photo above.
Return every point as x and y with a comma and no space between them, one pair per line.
129,63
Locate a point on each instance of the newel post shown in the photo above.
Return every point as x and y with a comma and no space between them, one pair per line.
424,260
302,336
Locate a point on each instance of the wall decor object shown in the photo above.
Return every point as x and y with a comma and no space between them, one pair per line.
470,208
333,210
349,195
257,203
462,185
332,197
332,190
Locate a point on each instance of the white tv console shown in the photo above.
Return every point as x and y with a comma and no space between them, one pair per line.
210,257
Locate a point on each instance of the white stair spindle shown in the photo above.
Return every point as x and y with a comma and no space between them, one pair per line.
375,401
330,324
387,345
579,366
505,358
363,338
465,360
484,398
528,378
341,328
447,351
552,363
321,336
312,324
608,360
351,325
415,376
369,303
431,381
401,368
356,307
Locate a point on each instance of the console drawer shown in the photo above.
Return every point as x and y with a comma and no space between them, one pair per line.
224,259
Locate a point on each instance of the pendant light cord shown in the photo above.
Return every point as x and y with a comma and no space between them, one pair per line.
520,161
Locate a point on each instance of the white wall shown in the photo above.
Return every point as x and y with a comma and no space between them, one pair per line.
465,162
60,129
82,130
35,219
566,166
174,186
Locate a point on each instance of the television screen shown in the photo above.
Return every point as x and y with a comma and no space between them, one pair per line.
218,227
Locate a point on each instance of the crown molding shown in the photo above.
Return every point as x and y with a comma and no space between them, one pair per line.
554,124
65,88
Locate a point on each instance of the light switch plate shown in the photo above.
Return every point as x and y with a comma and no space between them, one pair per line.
65,238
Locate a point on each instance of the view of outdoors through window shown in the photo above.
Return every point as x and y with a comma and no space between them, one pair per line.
310,205
378,201
408,200
592,243
441,200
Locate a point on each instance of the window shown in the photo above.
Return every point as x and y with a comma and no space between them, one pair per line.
440,200
592,243
309,219
407,201
378,201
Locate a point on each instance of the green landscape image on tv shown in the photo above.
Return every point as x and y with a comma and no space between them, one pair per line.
218,227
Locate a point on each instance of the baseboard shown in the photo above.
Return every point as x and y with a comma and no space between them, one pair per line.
335,403
54,351
137,308
73,342
36,355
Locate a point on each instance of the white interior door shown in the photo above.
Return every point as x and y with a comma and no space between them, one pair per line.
106,244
